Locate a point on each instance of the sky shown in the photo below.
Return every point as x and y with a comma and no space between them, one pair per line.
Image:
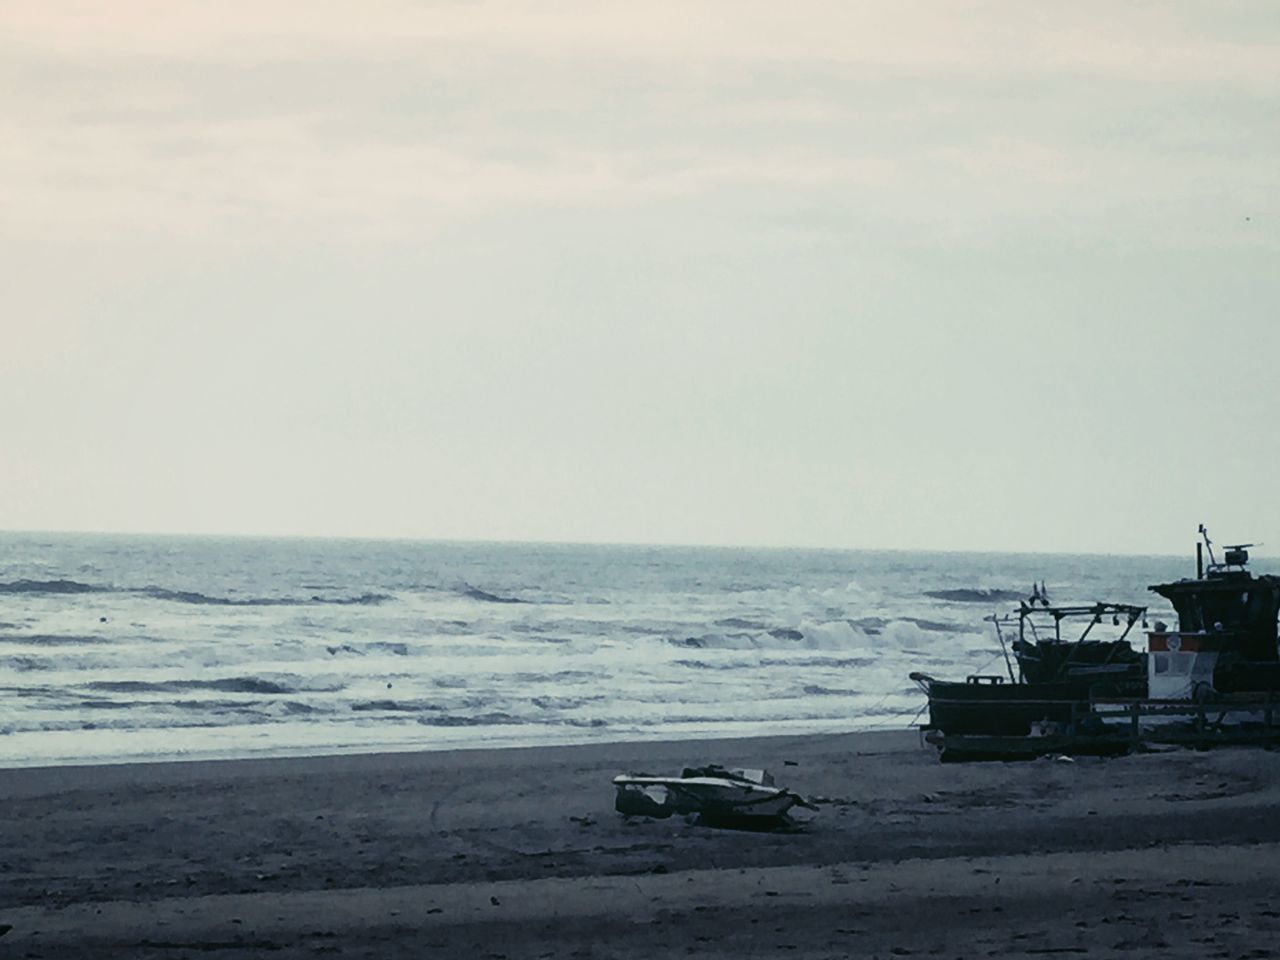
950,275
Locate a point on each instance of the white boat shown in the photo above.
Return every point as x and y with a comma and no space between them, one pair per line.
713,792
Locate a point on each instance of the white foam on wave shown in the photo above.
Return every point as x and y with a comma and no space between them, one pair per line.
833,635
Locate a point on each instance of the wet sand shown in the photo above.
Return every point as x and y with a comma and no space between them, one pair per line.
518,853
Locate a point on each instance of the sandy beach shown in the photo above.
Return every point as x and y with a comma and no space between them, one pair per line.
519,853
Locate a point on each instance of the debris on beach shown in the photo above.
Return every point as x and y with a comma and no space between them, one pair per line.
718,796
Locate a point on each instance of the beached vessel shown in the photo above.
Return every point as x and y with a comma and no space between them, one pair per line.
731,796
1211,679
1060,662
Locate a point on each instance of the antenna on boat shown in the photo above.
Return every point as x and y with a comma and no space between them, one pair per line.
1213,562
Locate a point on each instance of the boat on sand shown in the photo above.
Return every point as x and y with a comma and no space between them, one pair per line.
719,795
1212,679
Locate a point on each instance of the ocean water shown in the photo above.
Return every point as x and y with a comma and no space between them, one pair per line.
123,648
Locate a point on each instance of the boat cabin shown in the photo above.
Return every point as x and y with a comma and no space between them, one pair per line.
1178,664
1226,633
1046,650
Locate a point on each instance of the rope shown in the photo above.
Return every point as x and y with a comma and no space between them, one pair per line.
894,717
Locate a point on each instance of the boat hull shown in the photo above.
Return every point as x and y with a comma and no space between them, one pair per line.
708,796
1009,710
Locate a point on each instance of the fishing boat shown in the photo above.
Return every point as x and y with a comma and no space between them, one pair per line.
1061,661
1212,678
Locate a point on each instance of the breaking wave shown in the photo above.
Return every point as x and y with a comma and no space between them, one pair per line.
975,595
825,635
52,639
190,596
378,646
258,685
63,587
935,626
563,703
817,690
395,706
475,593
837,663
49,586
483,720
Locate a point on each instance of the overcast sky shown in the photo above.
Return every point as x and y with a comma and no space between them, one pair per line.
956,275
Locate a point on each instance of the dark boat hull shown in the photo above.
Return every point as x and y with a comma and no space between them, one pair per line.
966,748
969,708
1010,709
1247,676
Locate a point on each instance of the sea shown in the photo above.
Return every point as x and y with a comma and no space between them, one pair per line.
142,648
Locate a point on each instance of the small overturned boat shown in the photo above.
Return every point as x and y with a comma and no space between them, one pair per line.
1214,679
719,795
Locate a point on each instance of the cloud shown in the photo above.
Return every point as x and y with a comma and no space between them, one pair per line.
193,119
1179,41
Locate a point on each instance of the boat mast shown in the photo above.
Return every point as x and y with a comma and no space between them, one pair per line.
1213,562
995,618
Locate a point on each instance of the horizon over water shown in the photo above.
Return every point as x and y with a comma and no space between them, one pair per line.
1257,550
125,647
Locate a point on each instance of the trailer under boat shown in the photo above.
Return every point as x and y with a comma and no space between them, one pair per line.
1213,680
1114,727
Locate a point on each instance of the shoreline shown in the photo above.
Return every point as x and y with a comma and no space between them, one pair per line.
301,753
307,763
518,852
